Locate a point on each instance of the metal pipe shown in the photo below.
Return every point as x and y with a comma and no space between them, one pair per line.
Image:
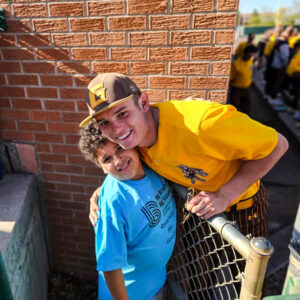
230,233
260,251
292,280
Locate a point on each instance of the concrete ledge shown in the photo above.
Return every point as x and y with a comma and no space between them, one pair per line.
23,236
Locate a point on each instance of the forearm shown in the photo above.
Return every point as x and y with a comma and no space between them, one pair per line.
252,170
116,284
94,208
207,204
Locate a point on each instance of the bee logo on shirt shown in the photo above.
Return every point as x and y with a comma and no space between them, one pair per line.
193,173
152,213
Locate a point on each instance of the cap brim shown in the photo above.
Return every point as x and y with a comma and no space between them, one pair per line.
113,104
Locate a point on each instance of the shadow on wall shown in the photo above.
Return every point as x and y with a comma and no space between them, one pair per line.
54,64
37,40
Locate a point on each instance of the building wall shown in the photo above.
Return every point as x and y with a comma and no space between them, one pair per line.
52,49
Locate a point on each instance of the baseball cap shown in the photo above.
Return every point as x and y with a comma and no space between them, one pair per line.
107,90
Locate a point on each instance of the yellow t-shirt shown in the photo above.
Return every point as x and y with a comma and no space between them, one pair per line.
240,49
293,40
294,65
269,46
202,144
241,73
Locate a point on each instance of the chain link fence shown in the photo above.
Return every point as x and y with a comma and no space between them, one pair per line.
212,260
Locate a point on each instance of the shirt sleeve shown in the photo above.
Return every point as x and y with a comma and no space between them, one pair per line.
227,134
111,249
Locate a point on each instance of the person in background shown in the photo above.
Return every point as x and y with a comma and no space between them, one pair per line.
261,59
275,34
268,53
293,72
241,47
279,59
241,80
294,37
136,230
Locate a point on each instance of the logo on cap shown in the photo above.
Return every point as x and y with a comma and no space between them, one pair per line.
97,95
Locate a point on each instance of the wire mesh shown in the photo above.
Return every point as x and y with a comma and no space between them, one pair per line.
203,264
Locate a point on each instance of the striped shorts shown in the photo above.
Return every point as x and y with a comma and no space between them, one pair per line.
252,220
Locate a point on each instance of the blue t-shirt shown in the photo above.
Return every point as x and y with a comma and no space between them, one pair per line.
136,232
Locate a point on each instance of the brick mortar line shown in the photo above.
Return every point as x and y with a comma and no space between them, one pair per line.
124,16
132,74
82,32
169,6
172,46
151,30
215,4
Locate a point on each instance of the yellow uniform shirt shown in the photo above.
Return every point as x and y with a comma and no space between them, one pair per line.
202,144
241,73
240,49
293,40
269,46
294,65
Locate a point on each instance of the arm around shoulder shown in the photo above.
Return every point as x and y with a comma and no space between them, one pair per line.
94,208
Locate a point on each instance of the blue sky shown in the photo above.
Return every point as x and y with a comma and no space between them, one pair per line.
247,6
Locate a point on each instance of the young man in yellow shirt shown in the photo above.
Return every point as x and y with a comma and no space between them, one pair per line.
277,63
241,80
268,52
239,52
219,151
293,72
276,33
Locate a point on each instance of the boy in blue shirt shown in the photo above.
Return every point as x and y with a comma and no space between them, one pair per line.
135,234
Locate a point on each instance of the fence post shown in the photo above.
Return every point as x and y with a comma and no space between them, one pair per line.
5,291
260,251
292,280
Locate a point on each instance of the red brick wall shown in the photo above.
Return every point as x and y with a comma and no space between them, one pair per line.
171,48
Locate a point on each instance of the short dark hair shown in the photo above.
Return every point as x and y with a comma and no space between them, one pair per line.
250,49
91,139
136,98
251,36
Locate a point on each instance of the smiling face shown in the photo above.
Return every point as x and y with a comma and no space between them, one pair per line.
127,124
120,163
